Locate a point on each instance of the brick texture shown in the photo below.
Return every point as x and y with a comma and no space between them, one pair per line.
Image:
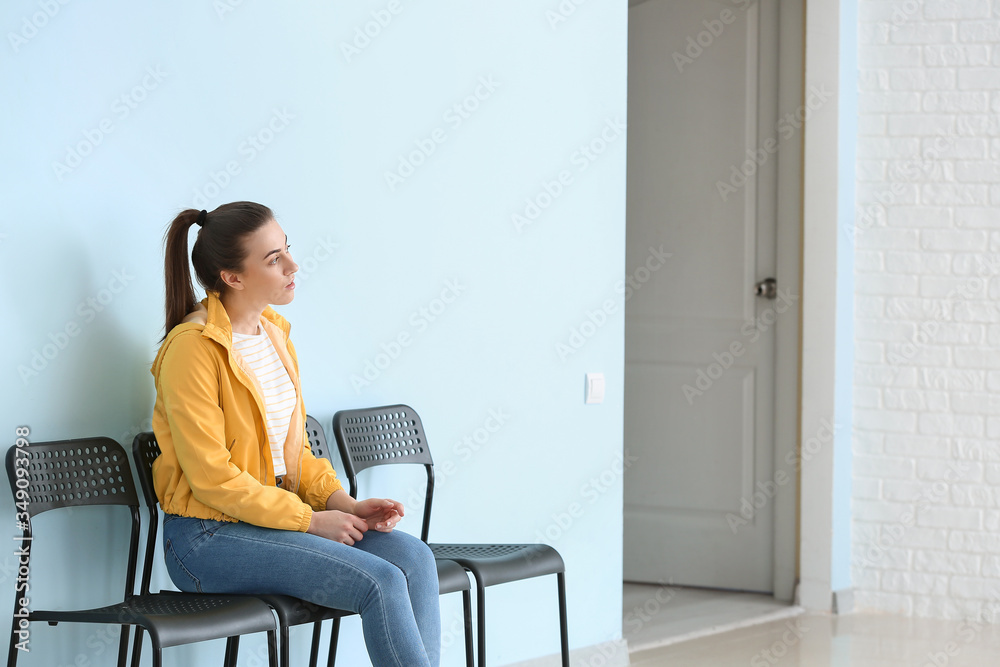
926,506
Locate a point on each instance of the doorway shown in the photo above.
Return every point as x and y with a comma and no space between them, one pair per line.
712,336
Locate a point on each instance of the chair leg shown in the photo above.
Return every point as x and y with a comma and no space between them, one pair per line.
272,649
481,621
232,649
563,626
283,645
314,648
12,651
136,646
157,656
334,638
470,660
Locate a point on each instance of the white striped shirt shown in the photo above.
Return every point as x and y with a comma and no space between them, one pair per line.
279,393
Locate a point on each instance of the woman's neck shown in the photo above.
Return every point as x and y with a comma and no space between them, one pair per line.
244,317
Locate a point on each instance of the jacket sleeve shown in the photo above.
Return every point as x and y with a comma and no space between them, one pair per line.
319,480
189,383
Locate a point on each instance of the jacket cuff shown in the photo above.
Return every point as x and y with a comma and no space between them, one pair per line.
305,519
318,498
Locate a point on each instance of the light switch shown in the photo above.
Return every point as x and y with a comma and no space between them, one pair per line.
594,389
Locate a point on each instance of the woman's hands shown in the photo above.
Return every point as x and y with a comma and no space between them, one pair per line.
337,526
380,514
346,520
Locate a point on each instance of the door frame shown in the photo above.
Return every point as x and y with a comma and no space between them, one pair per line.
830,48
788,341
807,241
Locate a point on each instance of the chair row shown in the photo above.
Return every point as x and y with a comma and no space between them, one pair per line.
95,471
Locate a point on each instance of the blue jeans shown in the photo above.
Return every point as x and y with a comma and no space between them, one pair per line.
390,579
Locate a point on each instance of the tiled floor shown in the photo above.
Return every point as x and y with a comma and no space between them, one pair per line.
797,639
654,616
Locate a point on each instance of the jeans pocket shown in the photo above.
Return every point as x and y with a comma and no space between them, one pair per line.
179,574
210,526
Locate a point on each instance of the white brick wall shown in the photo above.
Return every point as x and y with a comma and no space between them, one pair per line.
926,500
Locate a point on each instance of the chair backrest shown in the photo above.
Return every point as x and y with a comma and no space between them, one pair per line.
71,473
145,449
390,434
317,439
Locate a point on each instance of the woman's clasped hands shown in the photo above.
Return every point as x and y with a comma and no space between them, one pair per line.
346,520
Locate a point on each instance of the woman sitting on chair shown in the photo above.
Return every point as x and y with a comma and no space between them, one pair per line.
248,507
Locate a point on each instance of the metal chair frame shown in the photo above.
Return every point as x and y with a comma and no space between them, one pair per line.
451,576
59,474
289,610
394,434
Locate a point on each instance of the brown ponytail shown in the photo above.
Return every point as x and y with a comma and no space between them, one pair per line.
220,246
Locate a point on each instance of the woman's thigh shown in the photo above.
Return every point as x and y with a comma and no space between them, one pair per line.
224,557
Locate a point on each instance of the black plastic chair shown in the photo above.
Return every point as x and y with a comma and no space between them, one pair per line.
392,434
290,610
95,471
451,576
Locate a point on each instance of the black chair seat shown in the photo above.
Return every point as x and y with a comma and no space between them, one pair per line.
173,620
452,577
502,563
394,434
294,611
62,474
289,610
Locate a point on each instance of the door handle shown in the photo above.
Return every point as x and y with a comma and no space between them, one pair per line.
767,288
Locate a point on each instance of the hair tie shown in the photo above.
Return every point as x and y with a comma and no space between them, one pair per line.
201,218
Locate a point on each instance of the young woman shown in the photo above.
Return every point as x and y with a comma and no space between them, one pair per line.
248,508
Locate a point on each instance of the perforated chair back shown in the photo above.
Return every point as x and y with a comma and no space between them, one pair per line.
145,449
74,473
69,473
390,434
317,439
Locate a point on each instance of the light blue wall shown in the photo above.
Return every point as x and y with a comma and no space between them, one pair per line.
847,134
82,249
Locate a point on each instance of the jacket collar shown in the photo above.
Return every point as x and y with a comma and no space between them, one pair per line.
219,327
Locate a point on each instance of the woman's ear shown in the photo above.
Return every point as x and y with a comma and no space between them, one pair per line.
231,280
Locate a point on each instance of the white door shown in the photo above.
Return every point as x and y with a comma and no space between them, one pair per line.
703,135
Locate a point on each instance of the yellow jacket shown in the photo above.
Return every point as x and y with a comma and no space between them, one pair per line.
215,460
